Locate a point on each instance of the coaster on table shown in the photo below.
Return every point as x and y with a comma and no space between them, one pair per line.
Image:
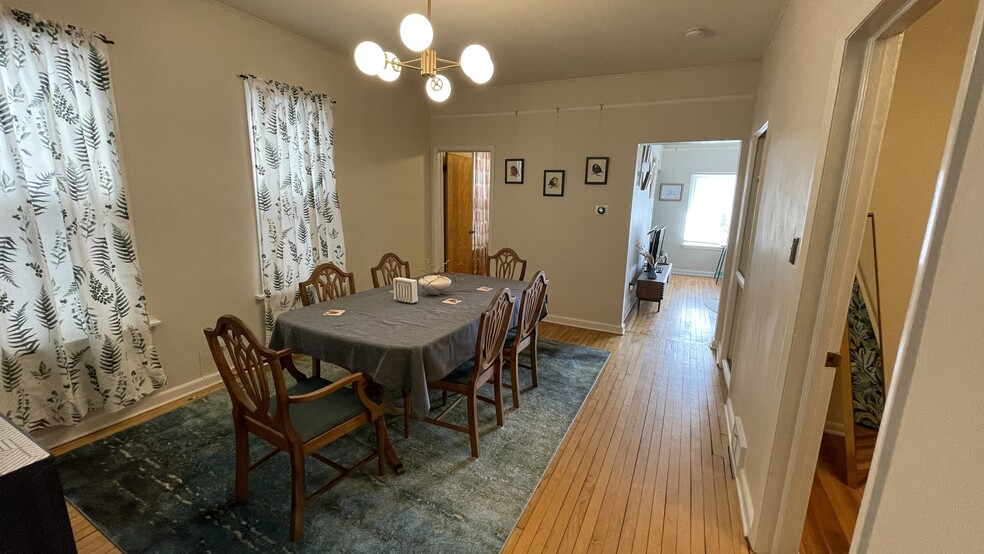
484,289
452,301
334,312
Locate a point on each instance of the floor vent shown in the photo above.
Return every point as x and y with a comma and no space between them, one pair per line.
738,444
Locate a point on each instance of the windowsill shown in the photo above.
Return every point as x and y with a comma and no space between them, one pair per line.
702,246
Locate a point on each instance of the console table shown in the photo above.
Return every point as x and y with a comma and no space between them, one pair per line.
652,285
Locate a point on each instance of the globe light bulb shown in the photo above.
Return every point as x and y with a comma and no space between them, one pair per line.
369,58
476,63
416,32
438,88
483,73
391,71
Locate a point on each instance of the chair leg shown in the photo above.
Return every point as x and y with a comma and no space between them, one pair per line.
473,422
497,385
444,398
242,463
533,361
381,444
297,499
514,373
316,364
406,415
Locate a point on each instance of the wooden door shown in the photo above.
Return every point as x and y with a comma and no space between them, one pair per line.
458,211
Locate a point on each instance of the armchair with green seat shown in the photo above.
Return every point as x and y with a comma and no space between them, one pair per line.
299,420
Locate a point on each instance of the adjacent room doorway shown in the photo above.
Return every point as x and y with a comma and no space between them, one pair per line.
466,179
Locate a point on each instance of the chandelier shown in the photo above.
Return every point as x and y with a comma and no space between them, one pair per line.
417,35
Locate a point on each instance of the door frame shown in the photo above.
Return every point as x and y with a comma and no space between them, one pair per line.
725,320
856,120
436,242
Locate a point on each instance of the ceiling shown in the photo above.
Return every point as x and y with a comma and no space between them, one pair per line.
542,40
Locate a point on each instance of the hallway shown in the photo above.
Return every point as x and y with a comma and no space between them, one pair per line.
644,467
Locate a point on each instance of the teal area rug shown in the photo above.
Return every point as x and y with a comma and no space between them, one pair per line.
166,485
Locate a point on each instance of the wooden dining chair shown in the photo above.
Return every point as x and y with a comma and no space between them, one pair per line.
299,420
504,263
389,267
524,334
467,378
328,282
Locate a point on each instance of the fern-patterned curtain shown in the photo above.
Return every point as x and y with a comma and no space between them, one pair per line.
74,331
299,219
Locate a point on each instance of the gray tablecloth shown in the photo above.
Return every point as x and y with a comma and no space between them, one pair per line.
399,345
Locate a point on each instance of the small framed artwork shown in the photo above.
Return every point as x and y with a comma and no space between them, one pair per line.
553,182
596,171
514,171
671,192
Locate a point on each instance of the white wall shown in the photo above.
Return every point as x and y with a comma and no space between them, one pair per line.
183,138
680,162
590,259
925,491
795,95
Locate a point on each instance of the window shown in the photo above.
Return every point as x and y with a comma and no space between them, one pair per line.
709,213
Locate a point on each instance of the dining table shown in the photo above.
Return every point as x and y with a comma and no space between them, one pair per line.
397,345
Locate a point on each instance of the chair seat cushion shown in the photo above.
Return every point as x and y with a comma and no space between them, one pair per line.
461,374
311,419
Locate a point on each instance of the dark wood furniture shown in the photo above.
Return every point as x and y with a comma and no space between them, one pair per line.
328,282
652,285
401,346
34,517
389,267
504,263
299,420
467,378
524,335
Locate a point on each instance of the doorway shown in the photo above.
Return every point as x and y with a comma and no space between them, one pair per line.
745,223
921,102
466,179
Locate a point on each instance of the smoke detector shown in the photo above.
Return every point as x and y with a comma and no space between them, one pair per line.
695,32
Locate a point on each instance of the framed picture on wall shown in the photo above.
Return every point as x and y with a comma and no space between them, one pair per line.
671,192
596,171
553,182
514,170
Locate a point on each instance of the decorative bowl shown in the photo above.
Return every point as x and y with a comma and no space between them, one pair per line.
434,284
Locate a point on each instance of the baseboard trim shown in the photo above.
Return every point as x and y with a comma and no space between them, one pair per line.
833,428
585,324
693,272
55,437
741,480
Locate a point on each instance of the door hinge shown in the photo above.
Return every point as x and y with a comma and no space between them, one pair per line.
833,360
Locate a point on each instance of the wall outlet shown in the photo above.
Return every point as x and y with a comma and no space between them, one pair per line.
601,209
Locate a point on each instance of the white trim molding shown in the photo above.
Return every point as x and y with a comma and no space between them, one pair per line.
586,324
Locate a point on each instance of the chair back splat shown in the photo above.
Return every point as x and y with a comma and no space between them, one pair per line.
505,264
531,305
389,267
492,330
328,282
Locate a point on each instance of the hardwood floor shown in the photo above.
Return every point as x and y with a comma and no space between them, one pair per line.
833,509
644,466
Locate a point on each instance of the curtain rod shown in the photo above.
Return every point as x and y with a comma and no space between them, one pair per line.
248,75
